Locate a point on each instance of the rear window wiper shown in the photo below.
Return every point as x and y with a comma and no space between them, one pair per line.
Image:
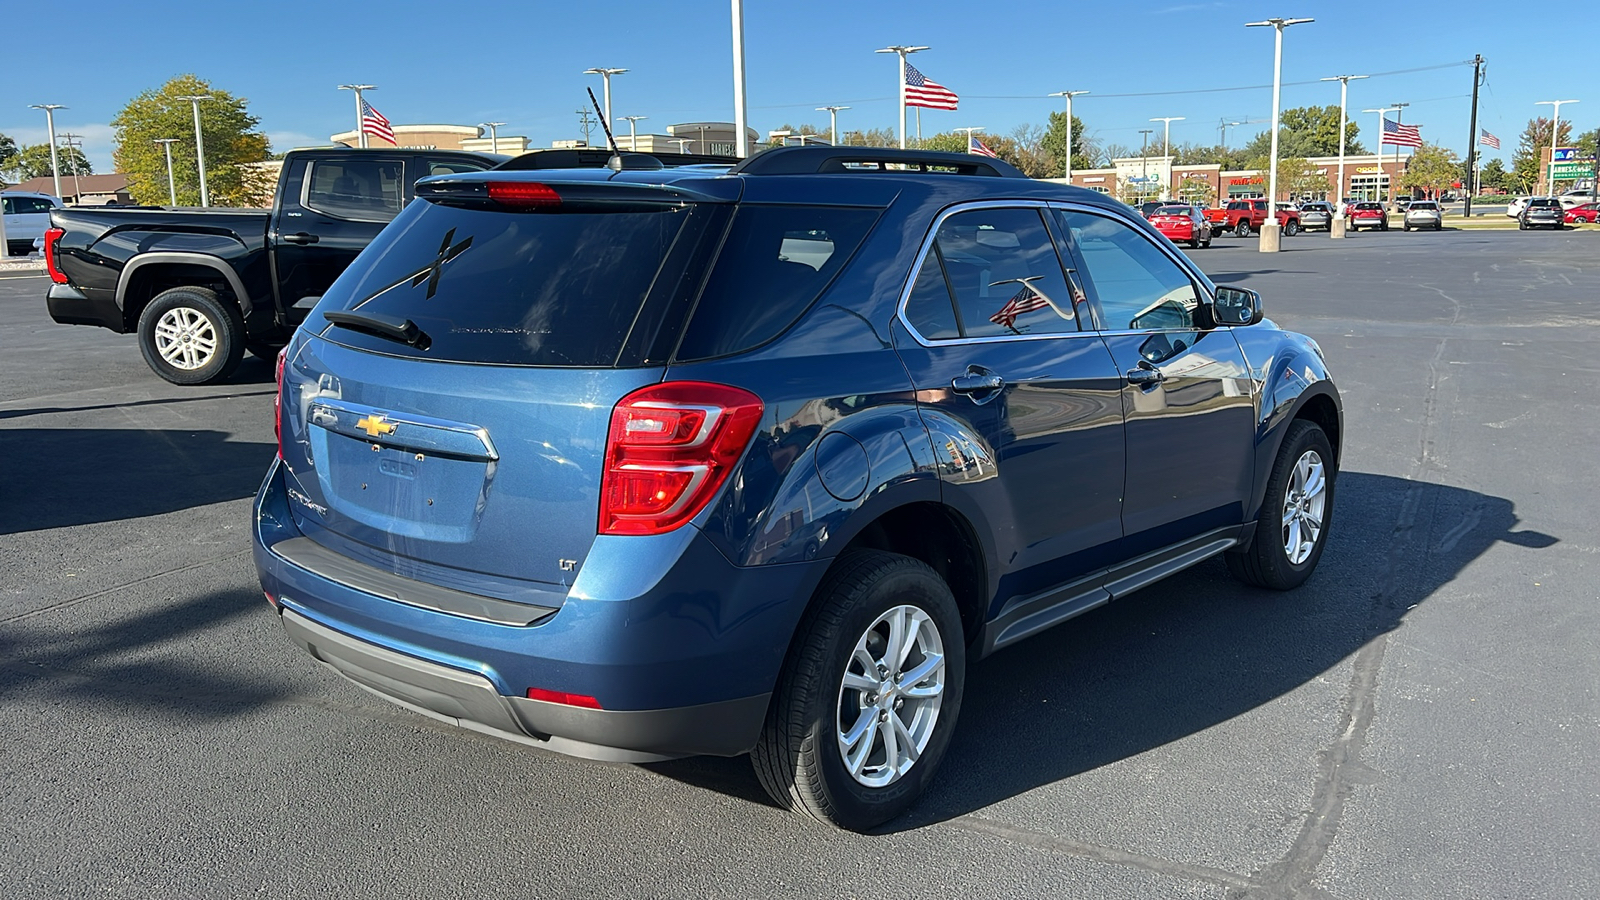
392,327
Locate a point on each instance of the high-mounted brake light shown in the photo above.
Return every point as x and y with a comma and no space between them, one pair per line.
526,194
277,400
670,447
565,699
52,236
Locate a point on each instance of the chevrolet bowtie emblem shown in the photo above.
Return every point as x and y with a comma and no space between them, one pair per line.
375,425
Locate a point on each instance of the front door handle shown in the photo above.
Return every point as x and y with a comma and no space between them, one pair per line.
300,238
978,383
1145,375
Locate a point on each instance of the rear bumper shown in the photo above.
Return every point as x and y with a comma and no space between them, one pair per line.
70,306
681,648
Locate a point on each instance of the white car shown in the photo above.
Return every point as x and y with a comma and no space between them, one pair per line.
1514,209
27,216
1576,198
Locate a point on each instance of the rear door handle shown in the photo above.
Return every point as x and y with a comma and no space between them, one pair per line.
978,383
1145,375
300,238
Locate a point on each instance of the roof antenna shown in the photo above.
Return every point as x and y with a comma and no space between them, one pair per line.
603,123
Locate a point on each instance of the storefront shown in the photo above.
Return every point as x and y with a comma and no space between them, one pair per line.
1246,187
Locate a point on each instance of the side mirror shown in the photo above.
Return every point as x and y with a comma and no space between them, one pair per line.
1236,306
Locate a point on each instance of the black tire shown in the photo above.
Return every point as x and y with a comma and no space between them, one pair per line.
1242,229
1207,243
1194,244
1291,228
215,323
1439,227
1266,563
798,759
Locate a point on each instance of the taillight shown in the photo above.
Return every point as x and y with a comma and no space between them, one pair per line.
565,699
669,449
277,400
52,236
525,194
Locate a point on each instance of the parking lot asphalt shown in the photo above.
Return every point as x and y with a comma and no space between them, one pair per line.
1420,720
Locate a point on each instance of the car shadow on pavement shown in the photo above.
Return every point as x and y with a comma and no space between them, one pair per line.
1190,652
57,477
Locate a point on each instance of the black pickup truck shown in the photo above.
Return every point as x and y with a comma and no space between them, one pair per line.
202,286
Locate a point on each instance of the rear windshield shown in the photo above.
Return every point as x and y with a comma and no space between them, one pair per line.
1544,202
1424,204
1368,206
1173,211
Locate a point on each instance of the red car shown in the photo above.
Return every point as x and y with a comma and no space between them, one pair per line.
1369,214
1589,212
1182,222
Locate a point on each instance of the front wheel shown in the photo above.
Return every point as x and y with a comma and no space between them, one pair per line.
1292,528
188,336
1242,229
869,697
1291,228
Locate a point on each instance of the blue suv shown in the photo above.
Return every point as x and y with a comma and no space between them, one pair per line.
638,462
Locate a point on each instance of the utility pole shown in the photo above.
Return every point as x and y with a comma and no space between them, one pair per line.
1069,95
1472,136
833,122
585,123
361,131
200,145
633,135
172,184
50,122
903,51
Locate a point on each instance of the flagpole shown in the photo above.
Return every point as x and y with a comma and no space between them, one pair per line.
919,128
361,130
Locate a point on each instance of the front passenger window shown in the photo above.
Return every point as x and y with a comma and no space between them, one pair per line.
1139,288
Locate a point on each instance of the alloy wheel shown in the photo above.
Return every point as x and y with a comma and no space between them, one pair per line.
185,338
1304,503
890,695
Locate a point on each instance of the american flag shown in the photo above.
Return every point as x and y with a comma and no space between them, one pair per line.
976,146
1487,139
373,123
1397,135
1024,301
920,91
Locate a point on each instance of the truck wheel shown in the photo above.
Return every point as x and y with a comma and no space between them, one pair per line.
188,336
1242,229
1292,528
867,702
1291,229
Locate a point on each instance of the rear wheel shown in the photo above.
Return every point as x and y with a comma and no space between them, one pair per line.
869,697
1292,527
1243,228
1291,228
188,336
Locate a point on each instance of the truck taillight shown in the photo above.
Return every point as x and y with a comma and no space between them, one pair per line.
669,449
52,237
277,400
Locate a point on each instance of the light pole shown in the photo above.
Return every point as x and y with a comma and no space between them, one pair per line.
970,132
172,184
833,122
1069,95
70,144
1344,96
361,131
1166,151
1383,111
494,135
50,122
1555,138
1144,162
681,142
633,137
200,145
1269,228
902,51
606,75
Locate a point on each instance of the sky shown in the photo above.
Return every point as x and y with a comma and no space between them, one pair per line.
521,63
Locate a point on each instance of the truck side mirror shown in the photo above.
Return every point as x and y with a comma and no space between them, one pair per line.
1236,306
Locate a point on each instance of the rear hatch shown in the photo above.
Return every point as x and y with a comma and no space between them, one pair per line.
447,418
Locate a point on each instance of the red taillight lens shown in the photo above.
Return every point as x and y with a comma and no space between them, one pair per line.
564,698
277,400
669,449
525,194
52,236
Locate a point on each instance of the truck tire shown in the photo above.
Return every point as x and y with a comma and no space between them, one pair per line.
1291,228
188,336
1242,229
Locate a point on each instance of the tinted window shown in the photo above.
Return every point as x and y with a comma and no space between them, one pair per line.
26,205
929,308
1175,211
551,289
775,261
455,166
1002,269
1429,204
1543,202
1138,287
365,189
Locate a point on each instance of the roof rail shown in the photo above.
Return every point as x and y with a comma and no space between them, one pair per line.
598,158
824,160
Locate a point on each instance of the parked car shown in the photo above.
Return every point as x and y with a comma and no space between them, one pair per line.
1515,207
1423,214
1182,222
1402,203
1542,212
27,215
1585,213
1316,214
1368,214
1576,197
1242,217
546,472
1149,207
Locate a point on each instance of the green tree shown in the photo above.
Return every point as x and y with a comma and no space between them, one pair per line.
1431,168
1528,158
8,154
230,138
1307,131
1296,176
1053,145
872,137
33,161
1494,175
1197,190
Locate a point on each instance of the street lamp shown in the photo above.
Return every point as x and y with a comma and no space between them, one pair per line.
494,135
1144,161
606,75
50,121
1555,138
1269,228
200,145
970,132
1344,95
1383,111
70,144
902,51
681,142
361,131
833,122
633,138
172,185
1069,95
1166,151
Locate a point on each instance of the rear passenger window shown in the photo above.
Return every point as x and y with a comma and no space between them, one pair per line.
368,190
1139,288
929,308
1002,270
775,261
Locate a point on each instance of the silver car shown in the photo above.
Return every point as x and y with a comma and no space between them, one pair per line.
1316,214
1424,214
